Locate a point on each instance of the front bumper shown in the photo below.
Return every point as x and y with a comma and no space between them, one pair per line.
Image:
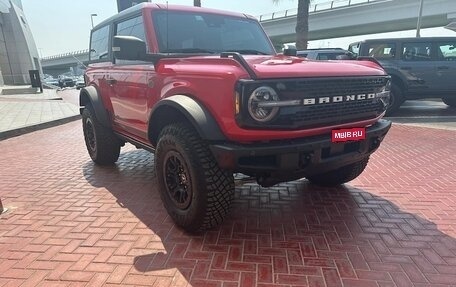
292,159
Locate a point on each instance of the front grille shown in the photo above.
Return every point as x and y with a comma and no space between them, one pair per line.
309,88
318,115
330,114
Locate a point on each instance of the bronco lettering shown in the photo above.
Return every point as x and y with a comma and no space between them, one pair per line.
339,99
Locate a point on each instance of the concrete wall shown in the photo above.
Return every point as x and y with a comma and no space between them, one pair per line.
4,62
18,52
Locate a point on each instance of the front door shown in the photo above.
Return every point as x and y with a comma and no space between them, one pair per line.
129,85
129,82
417,65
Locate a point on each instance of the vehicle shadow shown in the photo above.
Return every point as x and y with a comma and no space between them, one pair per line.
294,233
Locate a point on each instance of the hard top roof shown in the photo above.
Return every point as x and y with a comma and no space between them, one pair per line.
408,39
154,6
323,50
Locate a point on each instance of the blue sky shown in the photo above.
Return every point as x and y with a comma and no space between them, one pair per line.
61,26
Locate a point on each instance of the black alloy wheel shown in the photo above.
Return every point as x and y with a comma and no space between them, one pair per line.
89,133
178,180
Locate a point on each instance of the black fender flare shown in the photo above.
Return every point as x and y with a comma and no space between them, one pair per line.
90,95
194,112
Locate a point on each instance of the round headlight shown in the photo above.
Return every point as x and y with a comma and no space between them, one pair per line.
259,112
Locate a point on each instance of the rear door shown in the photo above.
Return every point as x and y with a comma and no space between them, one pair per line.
445,66
418,66
129,83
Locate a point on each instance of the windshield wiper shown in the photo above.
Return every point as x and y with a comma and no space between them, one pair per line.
249,52
188,50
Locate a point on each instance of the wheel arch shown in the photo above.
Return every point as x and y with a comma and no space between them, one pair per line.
398,80
90,96
182,108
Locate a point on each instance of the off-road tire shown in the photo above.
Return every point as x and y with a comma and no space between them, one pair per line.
210,189
450,102
102,144
396,99
341,175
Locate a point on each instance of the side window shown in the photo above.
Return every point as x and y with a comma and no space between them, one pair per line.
132,27
354,48
416,51
99,44
446,51
382,50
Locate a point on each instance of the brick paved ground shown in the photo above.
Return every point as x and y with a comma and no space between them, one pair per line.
74,224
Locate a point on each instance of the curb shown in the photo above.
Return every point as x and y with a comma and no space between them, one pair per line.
25,130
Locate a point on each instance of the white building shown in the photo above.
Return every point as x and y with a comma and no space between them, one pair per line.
18,52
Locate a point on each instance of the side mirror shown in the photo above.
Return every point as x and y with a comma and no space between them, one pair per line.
129,48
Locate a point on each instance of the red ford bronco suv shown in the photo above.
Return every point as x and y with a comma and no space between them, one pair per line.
207,93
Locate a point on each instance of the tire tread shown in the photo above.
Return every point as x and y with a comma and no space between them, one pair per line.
219,183
108,145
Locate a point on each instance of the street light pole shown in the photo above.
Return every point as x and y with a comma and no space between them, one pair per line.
420,15
91,18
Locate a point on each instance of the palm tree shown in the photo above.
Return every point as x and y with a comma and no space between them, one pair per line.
197,3
302,23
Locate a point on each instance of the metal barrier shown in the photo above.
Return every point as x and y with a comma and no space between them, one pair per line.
318,7
76,53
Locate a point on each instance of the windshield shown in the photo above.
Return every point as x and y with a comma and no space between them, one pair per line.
190,32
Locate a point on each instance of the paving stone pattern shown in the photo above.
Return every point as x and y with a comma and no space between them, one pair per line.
71,223
19,111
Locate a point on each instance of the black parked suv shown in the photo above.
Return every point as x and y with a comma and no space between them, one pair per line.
419,67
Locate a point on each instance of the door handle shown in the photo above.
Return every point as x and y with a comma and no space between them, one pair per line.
443,68
406,68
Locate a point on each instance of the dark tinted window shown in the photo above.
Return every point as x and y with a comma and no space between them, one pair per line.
99,44
329,56
132,27
416,51
382,50
446,51
194,32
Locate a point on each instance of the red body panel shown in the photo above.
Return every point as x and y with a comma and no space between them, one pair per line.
211,81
